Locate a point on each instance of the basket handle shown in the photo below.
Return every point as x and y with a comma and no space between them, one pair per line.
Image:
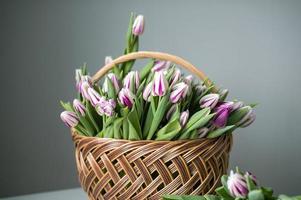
156,55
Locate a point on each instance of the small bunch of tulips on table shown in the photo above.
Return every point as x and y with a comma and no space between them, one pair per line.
156,102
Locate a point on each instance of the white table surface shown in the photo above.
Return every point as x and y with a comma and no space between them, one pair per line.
72,194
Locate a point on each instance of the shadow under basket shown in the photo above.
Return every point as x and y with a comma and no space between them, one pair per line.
146,169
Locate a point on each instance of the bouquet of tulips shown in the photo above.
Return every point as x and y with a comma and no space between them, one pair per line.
155,103
237,186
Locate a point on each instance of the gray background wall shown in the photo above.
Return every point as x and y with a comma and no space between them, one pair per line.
251,47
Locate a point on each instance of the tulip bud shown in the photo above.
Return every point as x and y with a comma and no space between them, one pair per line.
237,185
138,25
69,118
188,79
171,111
202,132
253,177
78,75
113,78
160,84
248,119
94,97
209,100
179,91
79,107
132,81
184,118
106,107
147,91
175,77
126,97
87,79
108,60
84,86
237,105
223,94
221,116
160,65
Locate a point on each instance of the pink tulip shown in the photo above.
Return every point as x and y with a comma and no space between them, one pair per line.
160,84
132,81
237,185
147,91
248,119
94,97
84,86
78,75
175,77
209,100
106,107
184,118
126,97
179,91
69,118
79,107
253,177
138,25
113,78
202,132
161,65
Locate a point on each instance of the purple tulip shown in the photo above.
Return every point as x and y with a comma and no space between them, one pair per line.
113,78
138,25
179,91
253,177
132,81
175,77
237,185
94,97
222,114
202,132
69,118
184,118
79,107
147,91
126,97
171,111
161,65
160,84
108,60
209,100
248,119
237,105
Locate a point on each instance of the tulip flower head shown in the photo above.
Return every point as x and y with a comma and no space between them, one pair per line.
161,65
253,177
179,91
106,107
113,78
200,89
132,81
94,96
147,91
175,77
84,86
209,100
184,118
237,185
248,119
188,79
202,132
69,118
108,60
160,84
78,75
138,25
237,105
126,97
222,113
171,111
79,107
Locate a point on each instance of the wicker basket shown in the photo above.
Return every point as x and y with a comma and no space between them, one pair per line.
146,169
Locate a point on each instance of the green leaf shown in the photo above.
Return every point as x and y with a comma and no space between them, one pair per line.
194,134
129,34
109,132
133,134
162,107
125,129
219,132
90,109
67,106
134,120
146,70
111,89
255,195
117,125
169,131
250,183
176,114
81,130
211,197
147,122
90,129
221,191
196,117
183,197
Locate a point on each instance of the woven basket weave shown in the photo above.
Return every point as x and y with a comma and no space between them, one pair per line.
146,169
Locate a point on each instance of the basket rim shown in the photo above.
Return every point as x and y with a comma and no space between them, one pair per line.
75,134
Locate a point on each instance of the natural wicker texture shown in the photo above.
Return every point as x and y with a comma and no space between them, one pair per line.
122,169
146,169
